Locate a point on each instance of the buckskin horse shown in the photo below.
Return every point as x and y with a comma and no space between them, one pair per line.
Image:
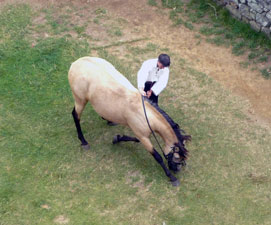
114,98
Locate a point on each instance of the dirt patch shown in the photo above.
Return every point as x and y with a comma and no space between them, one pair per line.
61,220
45,206
135,179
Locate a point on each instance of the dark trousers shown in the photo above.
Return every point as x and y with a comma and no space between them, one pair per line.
148,86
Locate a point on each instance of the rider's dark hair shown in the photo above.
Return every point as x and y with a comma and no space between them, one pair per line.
164,59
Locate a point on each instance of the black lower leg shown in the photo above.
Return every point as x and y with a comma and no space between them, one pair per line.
125,138
78,128
128,138
159,159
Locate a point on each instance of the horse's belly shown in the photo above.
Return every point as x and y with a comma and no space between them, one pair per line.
112,112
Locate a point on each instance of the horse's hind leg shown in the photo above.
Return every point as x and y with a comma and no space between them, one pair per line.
76,113
125,138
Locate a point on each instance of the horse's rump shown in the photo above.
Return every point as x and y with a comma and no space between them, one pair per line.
97,81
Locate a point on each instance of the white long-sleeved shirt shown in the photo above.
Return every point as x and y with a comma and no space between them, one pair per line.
149,71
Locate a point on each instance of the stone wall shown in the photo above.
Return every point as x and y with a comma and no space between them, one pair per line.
255,12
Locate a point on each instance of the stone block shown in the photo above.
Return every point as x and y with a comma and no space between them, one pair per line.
255,26
244,10
261,19
235,12
233,1
251,1
258,8
245,19
252,15
221,2
268,15
268,7
267,31
265,3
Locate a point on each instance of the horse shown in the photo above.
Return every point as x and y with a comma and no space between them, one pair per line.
115,99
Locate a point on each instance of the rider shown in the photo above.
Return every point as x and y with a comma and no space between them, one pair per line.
153,76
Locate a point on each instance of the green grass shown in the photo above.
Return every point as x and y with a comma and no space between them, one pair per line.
46,178
96,20
80,29
115,31
150,47
152,2
219,41
266,73
100,11
238,48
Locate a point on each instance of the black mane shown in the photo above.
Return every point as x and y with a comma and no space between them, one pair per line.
180,134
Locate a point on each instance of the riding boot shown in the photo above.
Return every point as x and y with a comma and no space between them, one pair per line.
148,86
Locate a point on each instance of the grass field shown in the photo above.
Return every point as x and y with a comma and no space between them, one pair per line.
45,176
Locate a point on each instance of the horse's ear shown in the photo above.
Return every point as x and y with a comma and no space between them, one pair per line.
182,150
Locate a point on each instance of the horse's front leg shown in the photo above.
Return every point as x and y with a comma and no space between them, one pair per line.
174,181
118,138
146,142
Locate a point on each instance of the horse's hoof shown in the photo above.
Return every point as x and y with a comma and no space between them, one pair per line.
86,147
179,167
175,183
115,139
109,123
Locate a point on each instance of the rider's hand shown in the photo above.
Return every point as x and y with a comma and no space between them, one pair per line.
149,93
142,92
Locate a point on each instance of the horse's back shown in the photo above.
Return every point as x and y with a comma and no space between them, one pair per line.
99,71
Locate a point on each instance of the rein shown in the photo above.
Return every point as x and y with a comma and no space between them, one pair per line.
143,103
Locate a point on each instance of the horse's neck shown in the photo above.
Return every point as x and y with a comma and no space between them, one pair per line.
161,126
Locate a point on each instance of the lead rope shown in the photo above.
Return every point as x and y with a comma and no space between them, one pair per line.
142,97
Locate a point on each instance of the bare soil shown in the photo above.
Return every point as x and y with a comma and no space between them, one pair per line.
143,20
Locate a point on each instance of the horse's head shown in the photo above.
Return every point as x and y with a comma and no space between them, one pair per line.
178,154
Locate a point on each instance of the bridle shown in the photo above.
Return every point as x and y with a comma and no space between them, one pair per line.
143,103
173,149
